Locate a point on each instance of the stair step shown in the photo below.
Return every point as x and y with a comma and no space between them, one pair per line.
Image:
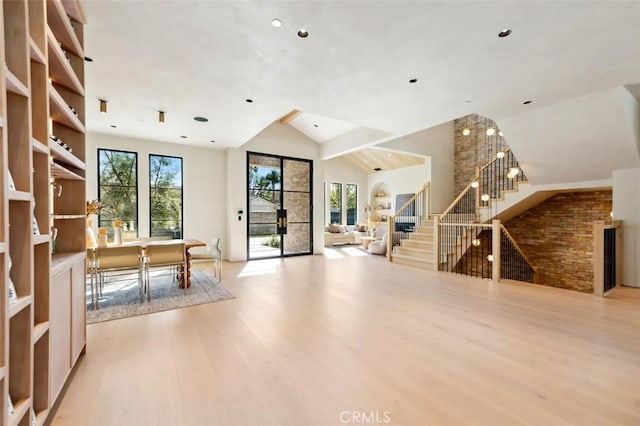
416,236
422,229
414,251
413,261
417,244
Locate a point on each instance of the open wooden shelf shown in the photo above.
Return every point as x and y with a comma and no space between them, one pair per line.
14,85
62,28
61,155
14,195
39,146
45,328
41,239
60,172
35,53
60,69
67,216
20,408
75,10
19,305
61,112
41,417
39,330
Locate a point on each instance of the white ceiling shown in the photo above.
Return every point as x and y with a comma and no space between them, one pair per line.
205,58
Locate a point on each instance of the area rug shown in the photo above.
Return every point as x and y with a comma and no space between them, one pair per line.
121,298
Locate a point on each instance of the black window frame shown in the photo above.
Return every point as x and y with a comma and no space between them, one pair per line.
137,198
180,233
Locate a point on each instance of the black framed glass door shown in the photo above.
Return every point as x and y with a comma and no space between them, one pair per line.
279,218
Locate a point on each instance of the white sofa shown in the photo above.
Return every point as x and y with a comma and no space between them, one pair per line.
346,234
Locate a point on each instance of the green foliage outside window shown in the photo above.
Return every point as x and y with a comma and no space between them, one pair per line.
118,189
165,185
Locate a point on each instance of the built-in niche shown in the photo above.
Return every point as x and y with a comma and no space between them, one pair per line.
380,200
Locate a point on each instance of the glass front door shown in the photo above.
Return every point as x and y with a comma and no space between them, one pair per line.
279,200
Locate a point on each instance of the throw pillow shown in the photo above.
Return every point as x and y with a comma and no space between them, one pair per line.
362,228
334,229
343,229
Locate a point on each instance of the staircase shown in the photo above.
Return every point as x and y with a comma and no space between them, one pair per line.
418,248
462,239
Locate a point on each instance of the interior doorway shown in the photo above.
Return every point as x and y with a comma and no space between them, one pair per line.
279,200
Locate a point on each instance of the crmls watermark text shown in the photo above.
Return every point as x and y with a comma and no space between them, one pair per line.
362,417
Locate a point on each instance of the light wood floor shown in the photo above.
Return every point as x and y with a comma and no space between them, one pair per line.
316,340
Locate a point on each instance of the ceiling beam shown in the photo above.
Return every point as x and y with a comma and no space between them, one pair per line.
287,118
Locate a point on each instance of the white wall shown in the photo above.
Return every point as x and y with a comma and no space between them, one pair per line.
276,139
341,170
204,174
626,207
407,180
438,144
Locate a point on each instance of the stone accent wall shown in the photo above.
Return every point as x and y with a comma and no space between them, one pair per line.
557,237
476,149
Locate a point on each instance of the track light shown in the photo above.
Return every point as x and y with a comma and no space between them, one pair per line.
475,184
491,131
485,197
466,131
513,173
490,258
161,117
475,242
500,154
103,106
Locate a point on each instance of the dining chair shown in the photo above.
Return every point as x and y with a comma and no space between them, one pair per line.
215,251
117,259
164,256
93,279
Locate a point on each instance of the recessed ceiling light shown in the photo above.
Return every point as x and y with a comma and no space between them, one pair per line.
303,33
467,101
315,125
114,126
248,100
413,80
504,33
212,141
276,23
183,137
201,119
526,102
88,59
377,169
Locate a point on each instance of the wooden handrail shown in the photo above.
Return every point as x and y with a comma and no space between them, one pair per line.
452,205
492,161
424,187
503,229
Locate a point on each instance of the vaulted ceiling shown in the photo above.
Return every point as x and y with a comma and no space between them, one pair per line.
352,72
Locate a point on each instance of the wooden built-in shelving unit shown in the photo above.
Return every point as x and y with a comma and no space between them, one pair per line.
42,329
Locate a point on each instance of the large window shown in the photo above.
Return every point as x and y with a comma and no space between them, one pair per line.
352,203
336,202
165,190
118,190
